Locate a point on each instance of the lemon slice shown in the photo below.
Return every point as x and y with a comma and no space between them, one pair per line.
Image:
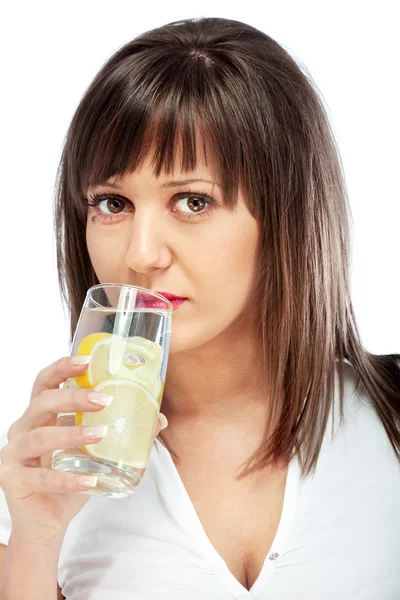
131,419
86,347
135,358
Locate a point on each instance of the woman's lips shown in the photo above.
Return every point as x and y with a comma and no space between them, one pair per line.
176,302
151,302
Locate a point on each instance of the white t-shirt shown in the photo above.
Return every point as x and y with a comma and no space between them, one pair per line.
338,537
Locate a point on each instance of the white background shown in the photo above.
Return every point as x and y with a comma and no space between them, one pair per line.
50,53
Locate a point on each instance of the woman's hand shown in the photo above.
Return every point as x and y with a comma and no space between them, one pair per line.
41,500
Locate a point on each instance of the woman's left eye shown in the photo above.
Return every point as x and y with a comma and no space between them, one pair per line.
200,205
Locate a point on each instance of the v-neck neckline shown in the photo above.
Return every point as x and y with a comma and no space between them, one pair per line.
189,515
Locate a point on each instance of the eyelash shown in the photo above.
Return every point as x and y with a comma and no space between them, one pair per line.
94,200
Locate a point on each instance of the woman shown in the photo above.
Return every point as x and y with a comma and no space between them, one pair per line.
257,489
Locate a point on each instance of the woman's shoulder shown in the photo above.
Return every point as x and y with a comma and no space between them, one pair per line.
356,482
360,436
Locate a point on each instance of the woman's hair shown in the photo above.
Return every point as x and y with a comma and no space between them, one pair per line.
265,127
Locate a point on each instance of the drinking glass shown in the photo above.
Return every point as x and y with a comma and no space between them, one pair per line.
126,331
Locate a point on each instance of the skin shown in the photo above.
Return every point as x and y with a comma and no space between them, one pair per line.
212,390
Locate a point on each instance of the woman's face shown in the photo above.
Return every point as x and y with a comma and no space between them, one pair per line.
144,234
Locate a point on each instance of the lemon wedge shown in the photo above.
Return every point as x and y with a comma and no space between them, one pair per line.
86,348
135,358
131,419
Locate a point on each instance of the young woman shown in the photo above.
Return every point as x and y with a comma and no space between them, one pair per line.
200,162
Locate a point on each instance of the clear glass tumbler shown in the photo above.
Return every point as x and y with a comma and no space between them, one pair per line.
126,331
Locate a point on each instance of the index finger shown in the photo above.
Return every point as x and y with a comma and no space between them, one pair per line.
51,377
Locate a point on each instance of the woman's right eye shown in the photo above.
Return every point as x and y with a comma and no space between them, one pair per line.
95,200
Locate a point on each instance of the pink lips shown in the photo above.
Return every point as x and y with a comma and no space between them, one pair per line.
169,296
175,301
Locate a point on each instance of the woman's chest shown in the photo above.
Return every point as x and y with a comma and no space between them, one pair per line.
239,518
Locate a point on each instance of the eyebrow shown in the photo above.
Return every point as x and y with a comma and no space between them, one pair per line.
169,184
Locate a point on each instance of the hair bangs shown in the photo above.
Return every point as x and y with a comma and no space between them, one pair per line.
171,130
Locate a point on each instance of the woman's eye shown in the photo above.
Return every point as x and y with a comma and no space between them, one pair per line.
196,204
191,205
98,204
115,205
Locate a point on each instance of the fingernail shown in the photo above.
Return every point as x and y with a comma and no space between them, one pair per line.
163,421
81,360
87,481
96,431
100,398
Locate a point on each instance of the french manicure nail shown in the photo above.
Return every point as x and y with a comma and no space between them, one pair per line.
81,360
100,398
96,431
87,481
163,421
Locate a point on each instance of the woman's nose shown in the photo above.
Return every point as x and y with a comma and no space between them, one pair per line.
147,244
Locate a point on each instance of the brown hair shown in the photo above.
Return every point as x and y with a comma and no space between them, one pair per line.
265,124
